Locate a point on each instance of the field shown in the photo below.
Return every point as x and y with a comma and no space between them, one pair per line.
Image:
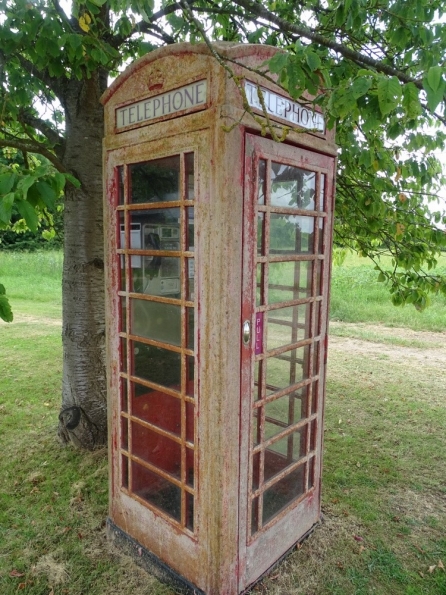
384,480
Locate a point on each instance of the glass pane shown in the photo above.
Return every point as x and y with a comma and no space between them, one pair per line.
159,275
284,452
190,422
122,275
157,321
311,473
315,397
121,244
124,433
257,385
122,314
262,183
292,187
256,435
255,471
190,227
124,398
123,353
319,279
124,472
190,279
283,493
189,511
313,434
255,516
189,175
322,205
156,490
260,299
190,366
317,317
286,369
158,450
291,234
157,408
190,467
156,365
120,185
321,235
260,233
316,353
289,281
155,181
285,412
288,325
190,315
158,229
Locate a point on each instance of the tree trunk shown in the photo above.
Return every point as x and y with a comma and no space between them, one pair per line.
83,416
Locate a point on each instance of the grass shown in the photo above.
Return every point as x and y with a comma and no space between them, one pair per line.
357,297
384,490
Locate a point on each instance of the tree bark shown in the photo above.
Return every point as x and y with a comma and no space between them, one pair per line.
83,416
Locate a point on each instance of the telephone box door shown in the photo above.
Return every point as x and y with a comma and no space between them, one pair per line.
287,243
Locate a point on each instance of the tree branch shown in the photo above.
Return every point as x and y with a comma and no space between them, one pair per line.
30,146
52,135
146,26
343,50
51,82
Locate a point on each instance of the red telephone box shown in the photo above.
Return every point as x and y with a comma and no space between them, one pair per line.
218,243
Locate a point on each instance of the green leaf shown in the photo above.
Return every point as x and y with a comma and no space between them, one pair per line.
389,94
46,193
5,309
25,184
411,100
6,207
278,62
313,60
76,183
434,75
7,182
360,86
434,98
28,213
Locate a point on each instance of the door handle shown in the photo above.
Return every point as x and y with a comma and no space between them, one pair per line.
246,332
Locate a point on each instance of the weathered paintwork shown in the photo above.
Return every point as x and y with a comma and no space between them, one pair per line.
219,556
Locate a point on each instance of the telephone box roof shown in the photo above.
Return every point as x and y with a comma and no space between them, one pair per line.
229,50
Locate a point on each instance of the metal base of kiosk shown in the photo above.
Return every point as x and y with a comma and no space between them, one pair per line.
148,561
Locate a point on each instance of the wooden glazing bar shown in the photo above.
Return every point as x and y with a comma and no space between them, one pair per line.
288,430
177,482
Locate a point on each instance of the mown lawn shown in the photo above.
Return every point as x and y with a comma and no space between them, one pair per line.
384,489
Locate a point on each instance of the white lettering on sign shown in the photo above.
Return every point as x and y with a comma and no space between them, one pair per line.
284,108
178,100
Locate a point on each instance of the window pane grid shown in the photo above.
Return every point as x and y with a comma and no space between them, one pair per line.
289,205
155,230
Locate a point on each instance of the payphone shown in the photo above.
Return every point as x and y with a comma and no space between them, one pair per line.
218,247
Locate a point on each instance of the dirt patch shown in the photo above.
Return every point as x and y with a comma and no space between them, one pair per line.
433,356
40,320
